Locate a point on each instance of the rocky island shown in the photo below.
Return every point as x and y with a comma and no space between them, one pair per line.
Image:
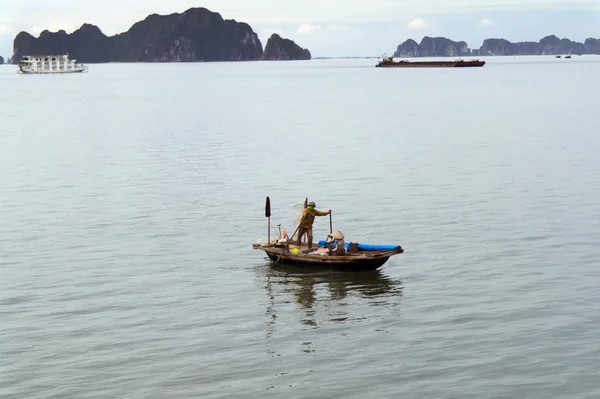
443,47
549,45
278,48
197,34
432,47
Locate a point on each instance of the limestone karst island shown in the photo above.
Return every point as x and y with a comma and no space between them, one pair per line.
197,34
444,47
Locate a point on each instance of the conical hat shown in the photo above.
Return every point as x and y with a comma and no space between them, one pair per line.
337,235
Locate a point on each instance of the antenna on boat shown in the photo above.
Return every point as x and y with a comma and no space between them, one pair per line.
268,216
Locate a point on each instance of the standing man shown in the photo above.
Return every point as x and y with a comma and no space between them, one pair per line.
306,222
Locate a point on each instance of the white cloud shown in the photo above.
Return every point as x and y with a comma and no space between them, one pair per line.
486,23
417,23
5,29
308,29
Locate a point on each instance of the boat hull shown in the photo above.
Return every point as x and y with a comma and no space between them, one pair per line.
360,261
27,72
430,64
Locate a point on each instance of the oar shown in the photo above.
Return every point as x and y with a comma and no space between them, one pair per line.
330,225
268,216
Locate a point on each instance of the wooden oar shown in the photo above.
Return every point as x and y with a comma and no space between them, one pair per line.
268,216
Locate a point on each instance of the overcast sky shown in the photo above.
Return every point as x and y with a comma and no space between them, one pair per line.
326,27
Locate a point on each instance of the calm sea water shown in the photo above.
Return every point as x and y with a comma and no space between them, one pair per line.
130,198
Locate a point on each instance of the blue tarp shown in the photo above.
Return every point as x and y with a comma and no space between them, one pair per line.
366,247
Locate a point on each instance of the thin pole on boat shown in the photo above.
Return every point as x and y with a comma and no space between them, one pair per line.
330,232
268,216
287,246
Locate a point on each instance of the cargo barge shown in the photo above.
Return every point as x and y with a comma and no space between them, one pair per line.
390,63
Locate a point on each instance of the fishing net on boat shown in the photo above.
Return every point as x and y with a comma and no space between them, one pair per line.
265,240
297,209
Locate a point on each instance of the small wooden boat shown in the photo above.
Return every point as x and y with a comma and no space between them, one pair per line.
358,257
361,260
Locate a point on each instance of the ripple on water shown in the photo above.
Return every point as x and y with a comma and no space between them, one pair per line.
127,269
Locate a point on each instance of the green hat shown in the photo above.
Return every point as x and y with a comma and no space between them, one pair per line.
311,204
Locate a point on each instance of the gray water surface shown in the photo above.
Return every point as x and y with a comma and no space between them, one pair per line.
130,198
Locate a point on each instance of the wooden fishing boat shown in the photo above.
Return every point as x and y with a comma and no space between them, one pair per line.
357,257
358,261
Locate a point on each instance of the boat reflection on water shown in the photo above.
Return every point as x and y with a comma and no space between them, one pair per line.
315,299
304,286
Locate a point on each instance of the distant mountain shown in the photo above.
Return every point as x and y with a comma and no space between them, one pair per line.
549,45
432,47
591,46
194,35
443,47
278,48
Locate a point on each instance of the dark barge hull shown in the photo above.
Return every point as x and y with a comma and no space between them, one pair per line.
429,64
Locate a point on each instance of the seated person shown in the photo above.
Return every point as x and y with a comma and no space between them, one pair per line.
340,244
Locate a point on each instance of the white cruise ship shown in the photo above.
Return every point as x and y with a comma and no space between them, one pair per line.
49,64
